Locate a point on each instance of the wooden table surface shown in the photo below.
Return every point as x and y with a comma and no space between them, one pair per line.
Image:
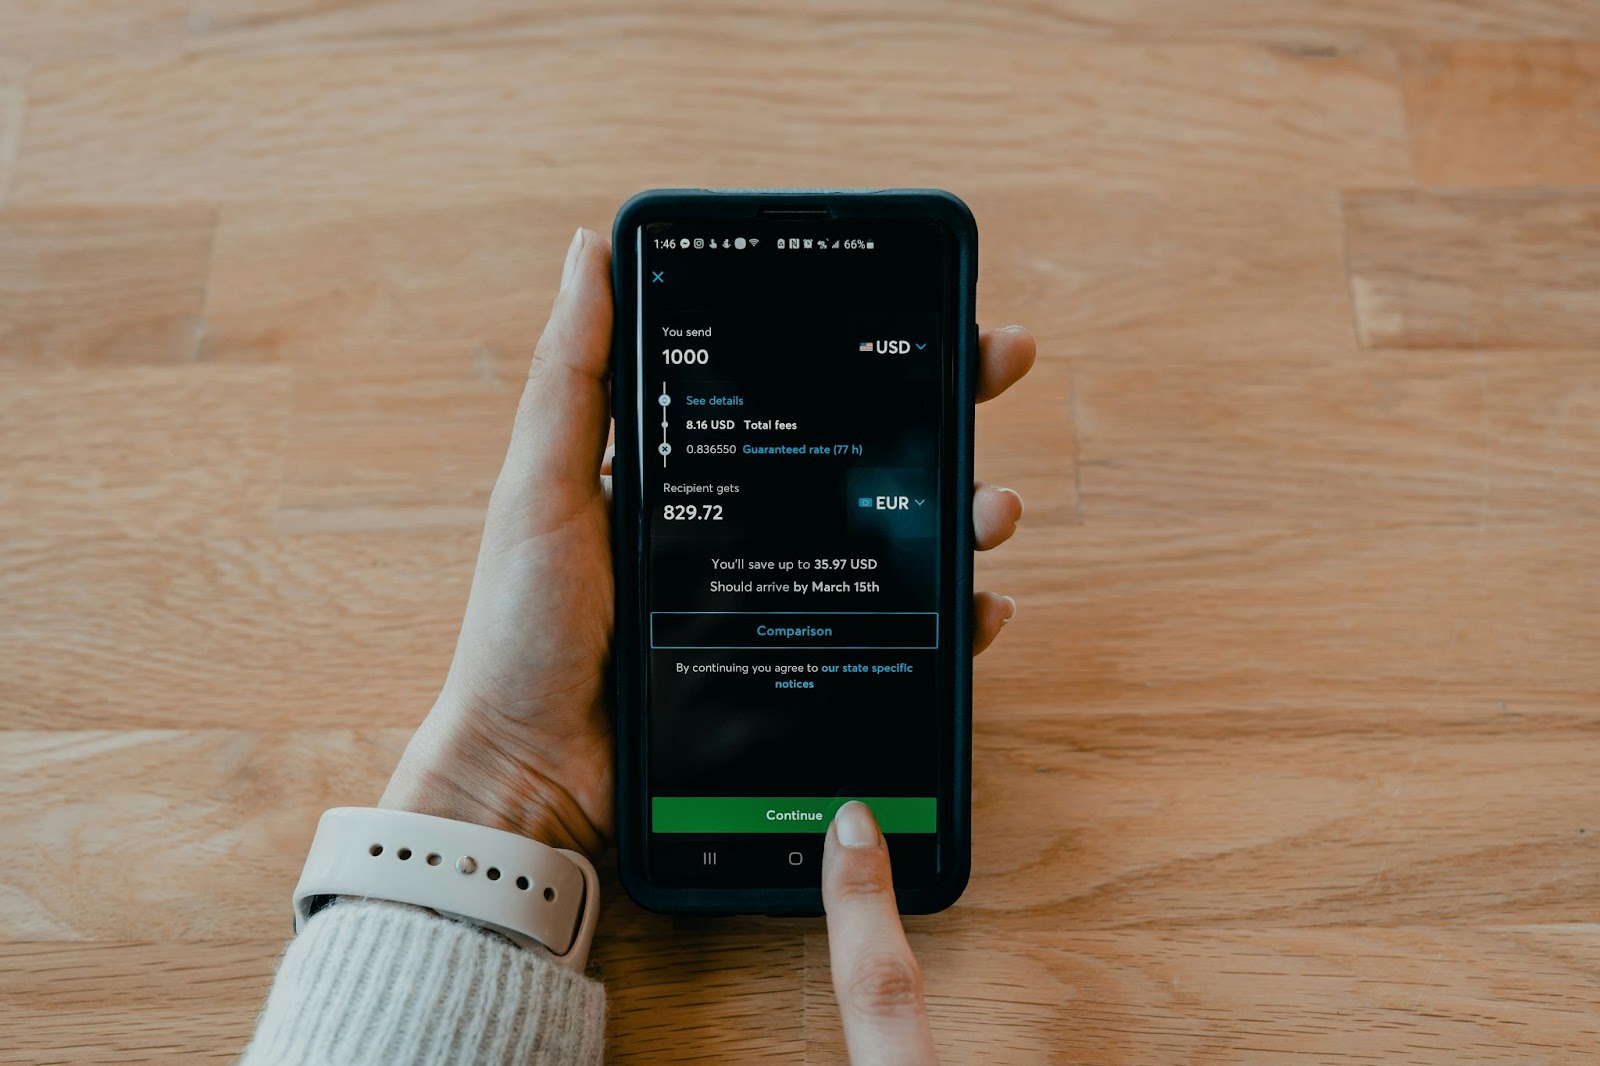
1290,756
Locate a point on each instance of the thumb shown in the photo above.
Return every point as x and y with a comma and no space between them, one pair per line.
565,411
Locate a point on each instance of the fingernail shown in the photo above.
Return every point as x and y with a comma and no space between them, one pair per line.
1013,329
1011,613
1018,495
855,826
571,264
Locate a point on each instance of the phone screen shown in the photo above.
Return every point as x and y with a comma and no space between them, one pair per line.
794,400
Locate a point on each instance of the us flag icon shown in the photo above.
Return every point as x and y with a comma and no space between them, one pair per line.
864,346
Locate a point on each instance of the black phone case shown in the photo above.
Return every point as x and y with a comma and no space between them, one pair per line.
627,533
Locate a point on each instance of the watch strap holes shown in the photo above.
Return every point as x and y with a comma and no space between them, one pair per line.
466,865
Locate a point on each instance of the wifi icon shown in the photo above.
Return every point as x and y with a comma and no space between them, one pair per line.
754,241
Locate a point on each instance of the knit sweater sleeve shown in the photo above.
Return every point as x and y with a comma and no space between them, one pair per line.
386,985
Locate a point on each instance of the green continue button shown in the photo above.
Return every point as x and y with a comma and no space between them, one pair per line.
785,814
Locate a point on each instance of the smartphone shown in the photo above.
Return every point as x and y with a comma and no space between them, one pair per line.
793,391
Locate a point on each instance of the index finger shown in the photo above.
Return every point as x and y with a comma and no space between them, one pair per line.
875,976
1004,355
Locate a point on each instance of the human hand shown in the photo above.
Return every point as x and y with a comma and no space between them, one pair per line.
876,979
520,736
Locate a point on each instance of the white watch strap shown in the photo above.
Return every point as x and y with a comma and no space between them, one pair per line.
541,897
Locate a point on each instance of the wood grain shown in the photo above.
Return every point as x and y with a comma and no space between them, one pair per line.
1307,24
1135,298
98,287
177,1001
213,805
278,126
142,451
339,629
414,441
287,633
299,283
1286,757
1511,269
13,101
53,30
1227,996
1301,817
410,332
715,998
1360,440
1334,818
1382,620
216,810
1518,994
1504,113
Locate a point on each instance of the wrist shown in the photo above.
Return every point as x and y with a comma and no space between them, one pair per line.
536,896
454,767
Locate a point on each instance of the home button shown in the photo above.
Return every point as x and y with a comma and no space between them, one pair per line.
795,858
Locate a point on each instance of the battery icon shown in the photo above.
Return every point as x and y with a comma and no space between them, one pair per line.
869,244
